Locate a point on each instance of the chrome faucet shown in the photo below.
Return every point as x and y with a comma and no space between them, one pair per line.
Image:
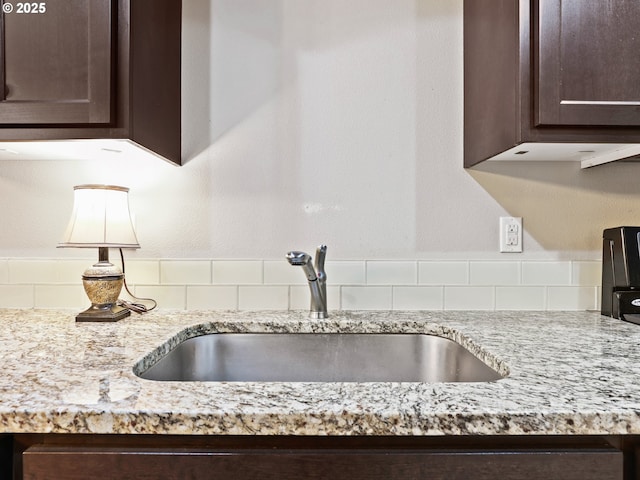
316,277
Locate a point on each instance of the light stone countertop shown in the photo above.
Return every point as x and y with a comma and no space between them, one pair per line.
568,373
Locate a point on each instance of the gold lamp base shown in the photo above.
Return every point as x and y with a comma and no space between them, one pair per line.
102,283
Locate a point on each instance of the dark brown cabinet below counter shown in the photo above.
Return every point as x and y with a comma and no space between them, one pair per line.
75,457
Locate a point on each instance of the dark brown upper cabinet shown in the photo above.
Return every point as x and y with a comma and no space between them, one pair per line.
92,69
588,63
50,74
551,79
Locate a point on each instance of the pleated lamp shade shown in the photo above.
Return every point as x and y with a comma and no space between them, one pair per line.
100,218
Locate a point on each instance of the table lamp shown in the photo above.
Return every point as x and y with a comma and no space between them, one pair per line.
101,219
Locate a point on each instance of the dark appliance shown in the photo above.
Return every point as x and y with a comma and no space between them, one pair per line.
621,273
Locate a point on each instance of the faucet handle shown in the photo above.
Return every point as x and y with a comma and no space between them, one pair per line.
321,253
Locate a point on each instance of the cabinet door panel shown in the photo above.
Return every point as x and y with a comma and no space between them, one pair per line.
57,63
588,68
76,463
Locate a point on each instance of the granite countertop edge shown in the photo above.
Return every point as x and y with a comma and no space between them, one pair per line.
569,373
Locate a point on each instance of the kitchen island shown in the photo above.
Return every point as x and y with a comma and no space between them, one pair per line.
569,375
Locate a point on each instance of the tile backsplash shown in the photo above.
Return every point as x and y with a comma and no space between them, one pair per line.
212,284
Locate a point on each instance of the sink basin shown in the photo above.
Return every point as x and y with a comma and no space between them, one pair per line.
332,357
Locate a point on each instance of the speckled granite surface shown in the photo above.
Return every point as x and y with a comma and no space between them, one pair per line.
568,373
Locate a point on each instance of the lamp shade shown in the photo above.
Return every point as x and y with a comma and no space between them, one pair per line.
100,218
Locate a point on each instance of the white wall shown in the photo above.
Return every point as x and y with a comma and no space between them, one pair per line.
324,121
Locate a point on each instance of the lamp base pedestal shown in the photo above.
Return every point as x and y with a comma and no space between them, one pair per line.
102,314
102,283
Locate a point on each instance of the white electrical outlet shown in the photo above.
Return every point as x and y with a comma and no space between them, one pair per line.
511,234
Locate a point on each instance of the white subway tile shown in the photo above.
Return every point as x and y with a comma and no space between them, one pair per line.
443,273
572,298
17,296
237,272
4,271
282,273
263,297
185,272
586,274
546,273
212,297
61,296
167,296
418,298
494,273
352,285
346,272
520,298
391,273
142,272
468,298
300,298
32,271
366,298
70,271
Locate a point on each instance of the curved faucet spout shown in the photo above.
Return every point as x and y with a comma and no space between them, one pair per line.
303,260
315,276
298,258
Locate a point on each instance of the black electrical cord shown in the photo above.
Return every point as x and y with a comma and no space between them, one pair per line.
136,306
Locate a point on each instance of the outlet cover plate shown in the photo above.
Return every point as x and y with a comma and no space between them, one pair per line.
511,234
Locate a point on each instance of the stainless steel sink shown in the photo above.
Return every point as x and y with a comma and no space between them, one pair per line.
335,357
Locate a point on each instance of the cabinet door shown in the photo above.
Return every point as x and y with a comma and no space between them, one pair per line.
56,62
588,63
79,463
